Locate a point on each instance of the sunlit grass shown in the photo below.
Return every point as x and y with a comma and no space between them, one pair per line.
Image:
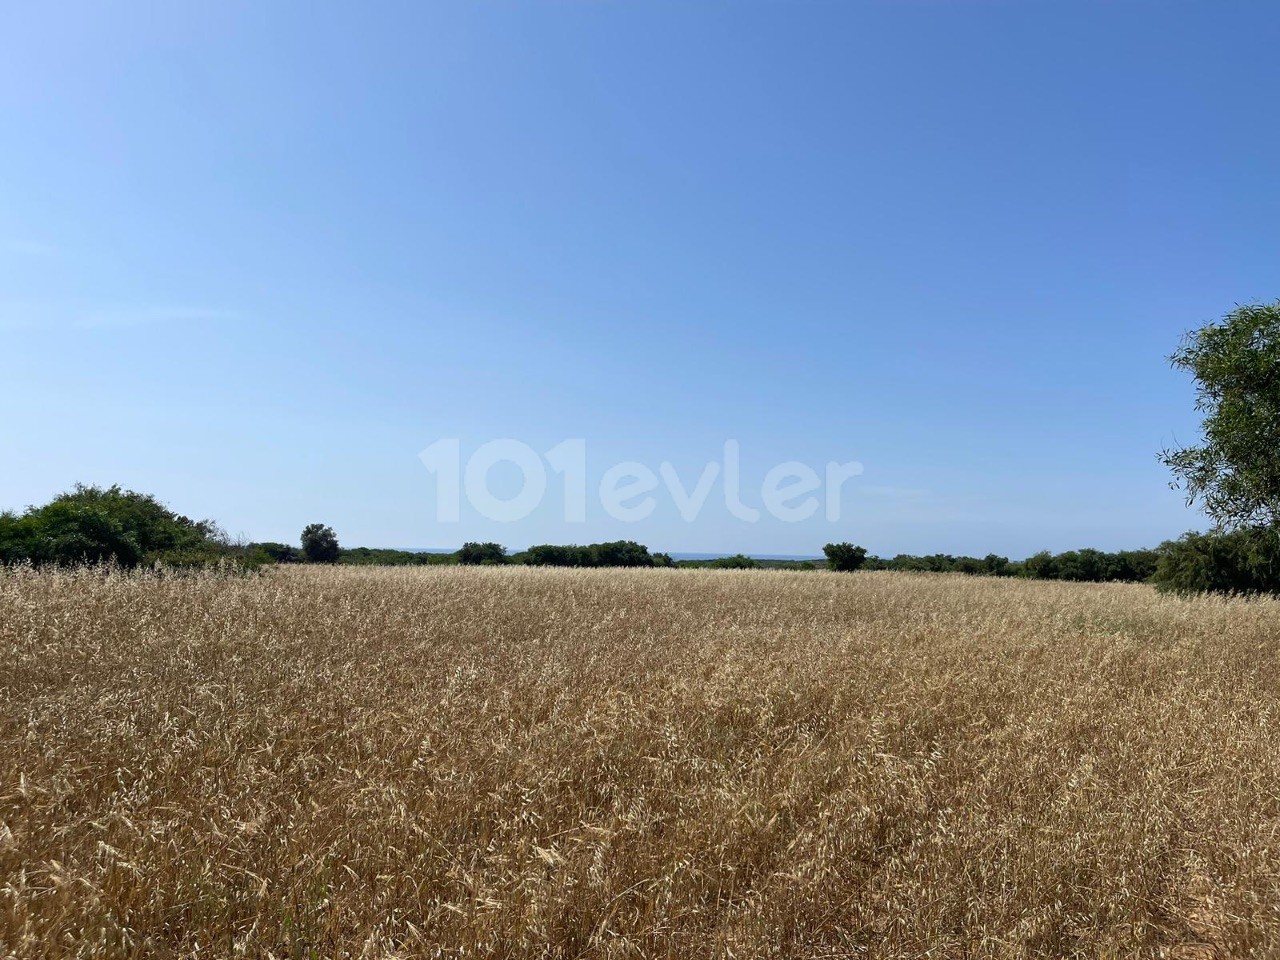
521,762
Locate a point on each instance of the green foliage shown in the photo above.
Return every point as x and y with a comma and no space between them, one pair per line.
737,562
1040,566
1081,565
482,553
1133,566
269,552
320,544
15,538
366,556
72,532
990,565
1094,566
621,553
1086,565
1235,472
663,560
556,555
1245,561
107,524
994,565
844,557
616,553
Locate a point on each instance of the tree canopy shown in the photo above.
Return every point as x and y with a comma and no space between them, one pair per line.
615,553
844,556
1244,561
106,524
1234,473
320,544
477,553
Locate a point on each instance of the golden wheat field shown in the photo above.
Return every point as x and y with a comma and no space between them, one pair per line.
475,762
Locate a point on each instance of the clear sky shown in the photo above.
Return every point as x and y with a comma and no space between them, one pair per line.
255,257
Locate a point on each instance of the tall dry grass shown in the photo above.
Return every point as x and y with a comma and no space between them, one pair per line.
520,763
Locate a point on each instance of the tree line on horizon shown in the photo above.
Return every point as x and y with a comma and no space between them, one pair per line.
92,525
1233,474
1076,565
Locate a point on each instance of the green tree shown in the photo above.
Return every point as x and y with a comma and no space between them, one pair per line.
487,553
107,524
15,538
1041,566
844,556
71,532
621,553
1242,561
320,544
1234,473
1080,565
269,552
557,555
995,565
737,562
1132,565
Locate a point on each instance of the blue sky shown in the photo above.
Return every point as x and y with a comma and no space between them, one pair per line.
254,257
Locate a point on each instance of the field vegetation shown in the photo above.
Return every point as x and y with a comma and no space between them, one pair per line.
335,761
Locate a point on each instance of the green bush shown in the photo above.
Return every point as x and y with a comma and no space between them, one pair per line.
616,553
381,557
106,525
737,562
269,552
320,544
556,555
845,556
621,553
1245,561
482,553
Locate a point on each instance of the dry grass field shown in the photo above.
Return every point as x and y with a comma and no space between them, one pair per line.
498,762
